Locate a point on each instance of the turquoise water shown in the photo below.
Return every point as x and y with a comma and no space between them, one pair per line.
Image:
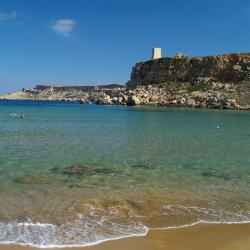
75,174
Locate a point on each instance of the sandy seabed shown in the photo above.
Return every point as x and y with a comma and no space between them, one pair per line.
198,237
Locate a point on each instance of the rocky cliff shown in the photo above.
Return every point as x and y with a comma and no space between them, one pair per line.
211,95
221,82
230,68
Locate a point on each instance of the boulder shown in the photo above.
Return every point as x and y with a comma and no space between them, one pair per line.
133,100
115,100
106,100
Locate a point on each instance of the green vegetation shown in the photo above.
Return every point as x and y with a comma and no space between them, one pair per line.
172,85
197,87
243,96
132,85
182,86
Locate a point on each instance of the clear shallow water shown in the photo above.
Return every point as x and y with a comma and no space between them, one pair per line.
78,174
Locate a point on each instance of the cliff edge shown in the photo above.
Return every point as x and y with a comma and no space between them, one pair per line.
213,82
229,68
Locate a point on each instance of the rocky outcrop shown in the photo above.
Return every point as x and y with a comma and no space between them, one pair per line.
230,68
199,82
203,95
133,100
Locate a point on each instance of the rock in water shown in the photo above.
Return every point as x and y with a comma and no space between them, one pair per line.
143,166
103,171
221,175
75,170
32,179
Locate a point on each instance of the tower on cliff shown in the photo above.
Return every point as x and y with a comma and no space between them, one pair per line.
156,53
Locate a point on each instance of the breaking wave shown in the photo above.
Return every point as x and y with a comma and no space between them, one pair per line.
80,233
87,231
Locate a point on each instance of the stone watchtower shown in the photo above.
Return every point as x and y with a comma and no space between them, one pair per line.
156,53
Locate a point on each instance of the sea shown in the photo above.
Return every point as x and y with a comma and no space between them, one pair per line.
78,175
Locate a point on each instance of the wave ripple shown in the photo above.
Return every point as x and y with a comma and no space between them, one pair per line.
83,232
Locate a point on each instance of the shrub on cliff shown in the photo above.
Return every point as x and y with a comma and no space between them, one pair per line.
197,87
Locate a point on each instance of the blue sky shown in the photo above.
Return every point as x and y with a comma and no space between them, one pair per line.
98,41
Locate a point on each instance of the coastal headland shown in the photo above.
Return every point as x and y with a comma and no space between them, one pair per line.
216,82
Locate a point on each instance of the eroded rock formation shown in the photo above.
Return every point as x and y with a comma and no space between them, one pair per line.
230,68
201,82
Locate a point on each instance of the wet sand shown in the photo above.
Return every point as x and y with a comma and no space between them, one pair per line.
205,237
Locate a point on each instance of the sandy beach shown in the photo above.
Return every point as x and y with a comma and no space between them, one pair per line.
205,237
124,125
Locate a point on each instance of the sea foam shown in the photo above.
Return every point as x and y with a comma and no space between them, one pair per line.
79,233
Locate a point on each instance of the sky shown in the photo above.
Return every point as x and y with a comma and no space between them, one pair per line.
99,41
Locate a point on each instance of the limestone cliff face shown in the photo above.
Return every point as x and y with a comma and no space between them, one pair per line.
230,68
214,82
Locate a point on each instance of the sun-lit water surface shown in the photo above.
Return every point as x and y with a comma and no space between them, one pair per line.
75,174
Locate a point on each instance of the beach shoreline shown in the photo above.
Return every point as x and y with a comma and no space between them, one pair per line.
199,236
61,186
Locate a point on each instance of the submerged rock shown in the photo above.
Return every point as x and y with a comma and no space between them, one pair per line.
75,170
221,175
78,170
189,166
143,166
82,170
90,205
122,208
74,185
32,179
103,171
